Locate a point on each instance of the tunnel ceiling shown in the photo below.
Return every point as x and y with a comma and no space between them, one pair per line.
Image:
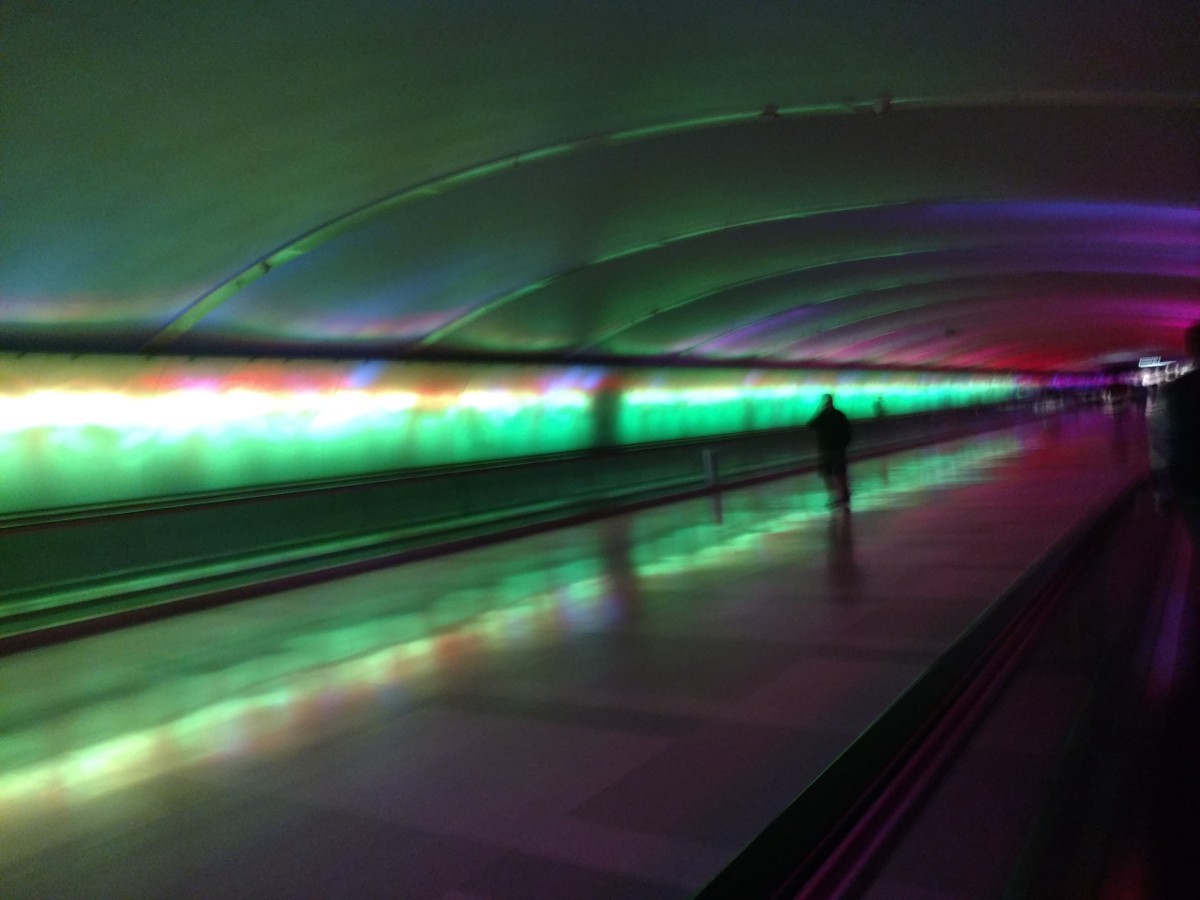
963,184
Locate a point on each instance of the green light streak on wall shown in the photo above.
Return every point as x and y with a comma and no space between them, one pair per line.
101,430
673,410
91,431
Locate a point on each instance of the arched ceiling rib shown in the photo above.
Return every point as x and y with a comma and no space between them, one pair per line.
951,327
836,322
698,181
716,131
807,286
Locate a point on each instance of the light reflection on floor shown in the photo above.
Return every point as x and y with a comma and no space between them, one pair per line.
261,703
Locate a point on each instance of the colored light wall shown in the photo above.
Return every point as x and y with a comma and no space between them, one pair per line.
684,404
105,429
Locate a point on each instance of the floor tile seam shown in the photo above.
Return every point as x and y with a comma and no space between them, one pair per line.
804,651
684,640
676,722
799,643
505,730
434,817
678,845
747,710
539,835
512,728
678,706
801,651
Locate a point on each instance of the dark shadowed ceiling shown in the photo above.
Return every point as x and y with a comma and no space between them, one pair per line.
964,184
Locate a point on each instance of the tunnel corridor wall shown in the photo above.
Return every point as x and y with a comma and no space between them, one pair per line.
161,478
103,430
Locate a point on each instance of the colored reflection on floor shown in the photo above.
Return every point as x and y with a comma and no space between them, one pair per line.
322,669
682,619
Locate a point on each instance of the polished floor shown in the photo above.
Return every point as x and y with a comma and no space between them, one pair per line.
607,711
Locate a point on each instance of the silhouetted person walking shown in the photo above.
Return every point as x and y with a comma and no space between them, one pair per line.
833,437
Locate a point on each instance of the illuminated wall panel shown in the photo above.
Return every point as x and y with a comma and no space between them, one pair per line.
104,429
679,404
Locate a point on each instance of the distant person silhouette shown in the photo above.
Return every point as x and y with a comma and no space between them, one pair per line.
1141,398
1181,437
833,437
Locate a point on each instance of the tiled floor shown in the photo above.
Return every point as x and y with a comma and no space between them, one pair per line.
608,711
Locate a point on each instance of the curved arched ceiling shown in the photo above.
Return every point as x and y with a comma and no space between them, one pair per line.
952,184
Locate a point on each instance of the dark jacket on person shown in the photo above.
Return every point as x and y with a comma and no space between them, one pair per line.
1182,397
833,431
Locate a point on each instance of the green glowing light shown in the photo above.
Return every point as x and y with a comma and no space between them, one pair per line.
664,412
81,433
